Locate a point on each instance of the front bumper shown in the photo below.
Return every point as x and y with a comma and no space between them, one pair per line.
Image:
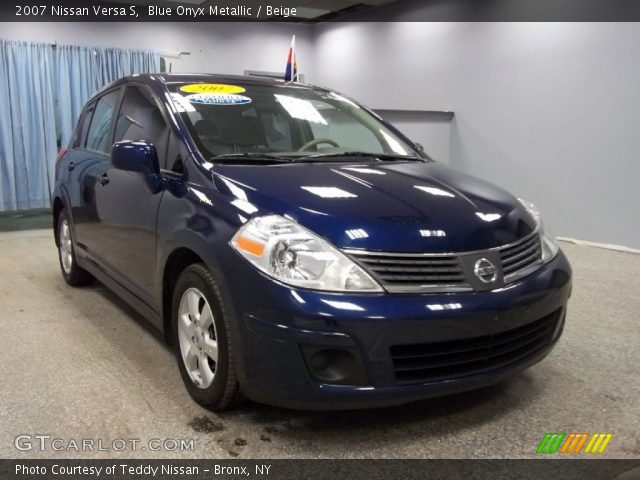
278,326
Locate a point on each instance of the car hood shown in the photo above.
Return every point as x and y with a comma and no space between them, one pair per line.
386,206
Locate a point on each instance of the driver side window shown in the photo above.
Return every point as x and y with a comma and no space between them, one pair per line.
140,118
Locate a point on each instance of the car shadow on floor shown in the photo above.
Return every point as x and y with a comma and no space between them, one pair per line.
432,417
427,418
129,311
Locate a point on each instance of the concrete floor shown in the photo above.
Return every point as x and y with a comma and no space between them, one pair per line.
77,363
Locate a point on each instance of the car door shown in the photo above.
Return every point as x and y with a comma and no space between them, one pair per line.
126,205
87,164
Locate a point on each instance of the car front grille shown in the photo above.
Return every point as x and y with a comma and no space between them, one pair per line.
430,362
415,271
520,256
424,272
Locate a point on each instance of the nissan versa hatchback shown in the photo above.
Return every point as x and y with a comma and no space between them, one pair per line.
297,250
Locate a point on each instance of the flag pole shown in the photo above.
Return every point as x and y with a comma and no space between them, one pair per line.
291,70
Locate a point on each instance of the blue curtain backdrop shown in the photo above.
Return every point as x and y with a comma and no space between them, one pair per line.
27,125
43,87
82,71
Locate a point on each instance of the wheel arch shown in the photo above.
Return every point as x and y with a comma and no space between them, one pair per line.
177,261
58,206
60,201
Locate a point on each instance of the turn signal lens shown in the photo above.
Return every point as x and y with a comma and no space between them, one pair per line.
250,246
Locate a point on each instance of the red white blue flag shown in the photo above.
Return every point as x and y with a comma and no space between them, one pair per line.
291,72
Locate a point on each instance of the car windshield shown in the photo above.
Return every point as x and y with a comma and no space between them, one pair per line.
294,122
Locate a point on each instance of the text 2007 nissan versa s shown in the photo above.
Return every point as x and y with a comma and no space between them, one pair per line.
299,251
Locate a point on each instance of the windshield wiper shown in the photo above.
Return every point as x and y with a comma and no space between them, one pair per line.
337,156
249,157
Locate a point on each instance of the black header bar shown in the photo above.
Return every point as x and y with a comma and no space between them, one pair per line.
119,469
290,10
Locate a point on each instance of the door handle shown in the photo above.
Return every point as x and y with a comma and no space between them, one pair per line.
103,179
71,166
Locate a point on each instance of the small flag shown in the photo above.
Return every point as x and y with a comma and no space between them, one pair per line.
291,72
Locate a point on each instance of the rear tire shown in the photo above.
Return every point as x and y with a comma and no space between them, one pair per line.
203,347
73,274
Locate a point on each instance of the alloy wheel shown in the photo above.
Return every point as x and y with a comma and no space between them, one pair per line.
197,337
66,248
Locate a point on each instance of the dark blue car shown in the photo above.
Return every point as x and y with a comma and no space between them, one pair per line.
299,251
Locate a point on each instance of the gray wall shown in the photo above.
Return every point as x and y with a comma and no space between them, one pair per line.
215,47
427,128
550,111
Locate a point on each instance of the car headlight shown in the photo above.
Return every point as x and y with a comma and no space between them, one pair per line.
292,254
549,246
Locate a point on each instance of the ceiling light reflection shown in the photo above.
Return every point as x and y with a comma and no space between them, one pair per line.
201,196
314,211
435,191
329,192
489,217
245,206
236,191
372,171
343,99
433,233
300,109
181,104
297,296
344,305
356,233
393,143
438,307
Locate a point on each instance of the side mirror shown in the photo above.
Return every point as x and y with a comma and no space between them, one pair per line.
135,157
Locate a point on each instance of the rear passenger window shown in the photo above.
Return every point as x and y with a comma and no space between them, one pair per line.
140,118
98,136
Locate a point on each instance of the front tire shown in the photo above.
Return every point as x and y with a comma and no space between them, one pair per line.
201,339
71,272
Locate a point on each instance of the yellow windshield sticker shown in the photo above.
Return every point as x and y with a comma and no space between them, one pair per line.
212,88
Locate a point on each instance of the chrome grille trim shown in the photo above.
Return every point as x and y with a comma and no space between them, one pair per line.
521,259
445,272
414,273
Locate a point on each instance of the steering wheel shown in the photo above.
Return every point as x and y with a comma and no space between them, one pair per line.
317,141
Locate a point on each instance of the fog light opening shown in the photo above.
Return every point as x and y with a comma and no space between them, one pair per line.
342,366
332,365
